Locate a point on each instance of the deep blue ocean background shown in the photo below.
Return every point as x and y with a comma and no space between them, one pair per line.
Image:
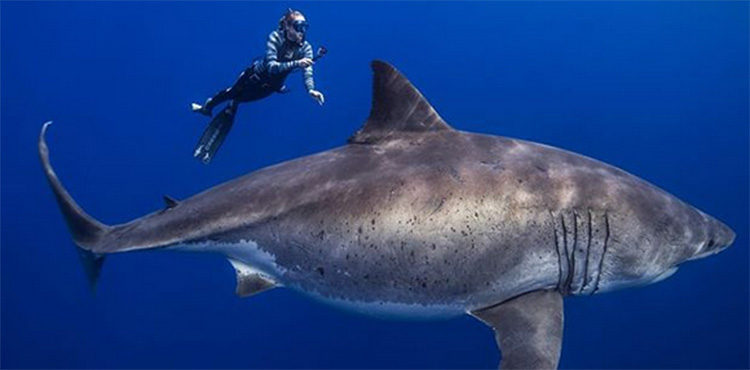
659,89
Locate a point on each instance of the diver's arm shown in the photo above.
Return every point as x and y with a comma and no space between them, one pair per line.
272,63
308,77
308,71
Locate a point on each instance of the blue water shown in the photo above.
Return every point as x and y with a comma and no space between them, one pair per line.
659,89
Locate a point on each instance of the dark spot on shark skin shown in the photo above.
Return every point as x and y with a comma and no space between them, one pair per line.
320,271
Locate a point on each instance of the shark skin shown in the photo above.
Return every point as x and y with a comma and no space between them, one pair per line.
415,218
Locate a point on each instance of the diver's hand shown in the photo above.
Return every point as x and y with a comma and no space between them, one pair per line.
318,96
305,62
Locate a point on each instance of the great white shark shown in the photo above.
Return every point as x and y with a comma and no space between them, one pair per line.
413,217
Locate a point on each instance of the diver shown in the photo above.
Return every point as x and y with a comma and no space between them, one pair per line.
286,51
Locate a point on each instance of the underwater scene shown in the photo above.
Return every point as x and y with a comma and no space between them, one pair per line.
374,184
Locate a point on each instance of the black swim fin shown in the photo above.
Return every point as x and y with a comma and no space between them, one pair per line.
214,135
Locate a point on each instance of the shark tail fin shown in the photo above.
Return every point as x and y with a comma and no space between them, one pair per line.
85,230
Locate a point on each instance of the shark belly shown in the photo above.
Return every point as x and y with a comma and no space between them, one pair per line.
385,265
251,254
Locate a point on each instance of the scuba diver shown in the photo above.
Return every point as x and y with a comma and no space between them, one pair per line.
286,51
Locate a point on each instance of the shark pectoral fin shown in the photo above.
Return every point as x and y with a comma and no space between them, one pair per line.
528,329
249,280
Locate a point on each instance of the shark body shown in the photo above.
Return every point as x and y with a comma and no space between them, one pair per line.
413,217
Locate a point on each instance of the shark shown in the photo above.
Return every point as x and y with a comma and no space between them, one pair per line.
414,218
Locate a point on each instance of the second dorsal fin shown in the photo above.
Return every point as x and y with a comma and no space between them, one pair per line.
170,202
397,106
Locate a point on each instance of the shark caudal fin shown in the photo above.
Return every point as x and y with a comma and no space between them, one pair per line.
85,230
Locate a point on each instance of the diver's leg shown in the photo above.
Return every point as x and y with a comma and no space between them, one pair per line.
231,108
229,93
220,97
215,133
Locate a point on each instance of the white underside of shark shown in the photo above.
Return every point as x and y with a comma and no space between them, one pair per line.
248,258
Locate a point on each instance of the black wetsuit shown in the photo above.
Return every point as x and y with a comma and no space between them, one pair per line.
264,77
267,75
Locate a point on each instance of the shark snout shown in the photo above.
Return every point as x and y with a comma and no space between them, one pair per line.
718,237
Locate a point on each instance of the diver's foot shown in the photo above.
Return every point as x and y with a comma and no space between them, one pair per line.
202,154
200,109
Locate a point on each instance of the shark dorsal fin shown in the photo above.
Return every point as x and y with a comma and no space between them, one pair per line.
170,202
397,106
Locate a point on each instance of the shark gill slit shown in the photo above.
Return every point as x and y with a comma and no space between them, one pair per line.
557,250
588,252
564,289
573,251
565,250
604,251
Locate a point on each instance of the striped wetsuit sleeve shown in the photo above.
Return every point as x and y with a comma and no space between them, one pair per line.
273,66
308,72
